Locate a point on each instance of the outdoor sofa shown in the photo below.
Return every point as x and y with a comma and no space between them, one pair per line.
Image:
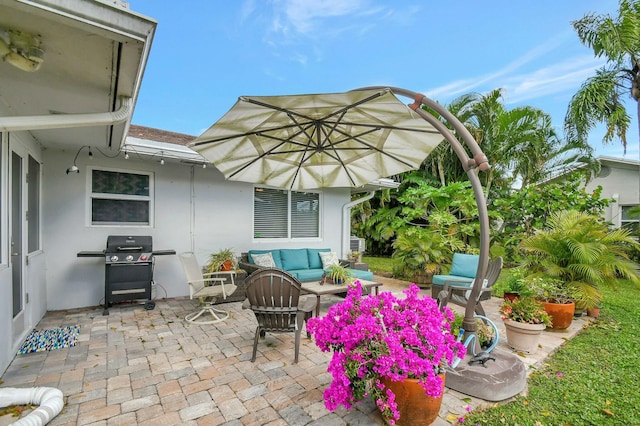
305,263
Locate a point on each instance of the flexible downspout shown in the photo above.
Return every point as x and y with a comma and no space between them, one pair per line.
61,121
50,401
346,222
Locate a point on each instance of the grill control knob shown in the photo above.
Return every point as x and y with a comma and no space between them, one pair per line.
129,258
114,258
144,257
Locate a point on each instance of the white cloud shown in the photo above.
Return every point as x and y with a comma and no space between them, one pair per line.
304,15
568,74
562,77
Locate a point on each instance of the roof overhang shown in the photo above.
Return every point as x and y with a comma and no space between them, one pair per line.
92,57
376,185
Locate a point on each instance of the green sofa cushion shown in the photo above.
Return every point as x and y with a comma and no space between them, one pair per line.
315,262
294,259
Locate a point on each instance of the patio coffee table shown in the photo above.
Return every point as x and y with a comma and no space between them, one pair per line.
314,287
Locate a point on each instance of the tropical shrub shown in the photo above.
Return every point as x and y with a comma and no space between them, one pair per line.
580,250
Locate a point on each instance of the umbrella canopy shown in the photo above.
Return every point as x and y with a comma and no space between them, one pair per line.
316,141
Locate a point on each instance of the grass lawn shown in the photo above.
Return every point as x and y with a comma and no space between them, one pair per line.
379,264
592,380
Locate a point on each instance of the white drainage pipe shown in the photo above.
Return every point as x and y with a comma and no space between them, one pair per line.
61,121
50,401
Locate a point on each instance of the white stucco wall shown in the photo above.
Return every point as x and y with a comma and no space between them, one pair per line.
620,180
204,217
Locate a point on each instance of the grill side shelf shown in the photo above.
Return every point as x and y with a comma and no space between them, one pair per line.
163,252
90,254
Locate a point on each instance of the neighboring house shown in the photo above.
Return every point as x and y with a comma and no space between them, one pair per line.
65,110
620,180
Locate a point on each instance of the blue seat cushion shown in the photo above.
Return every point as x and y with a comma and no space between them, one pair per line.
274,253
361,275
294,259
464,265
307,274
315,262
441,279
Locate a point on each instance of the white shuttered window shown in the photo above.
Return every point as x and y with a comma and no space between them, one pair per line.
285,214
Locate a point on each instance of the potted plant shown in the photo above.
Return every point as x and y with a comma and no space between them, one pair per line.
558,298
484,333
380,342
593,312
223,260
338,274
581,250
515,284
354,256
524,320
420,253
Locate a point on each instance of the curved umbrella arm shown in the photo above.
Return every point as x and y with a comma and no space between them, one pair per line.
479,161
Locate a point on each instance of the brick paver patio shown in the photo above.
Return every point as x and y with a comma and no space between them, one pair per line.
138,367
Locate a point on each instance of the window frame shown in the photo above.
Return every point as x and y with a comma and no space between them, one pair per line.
624,221
34,204
123,197
289,216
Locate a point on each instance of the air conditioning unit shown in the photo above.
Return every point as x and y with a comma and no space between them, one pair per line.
357,244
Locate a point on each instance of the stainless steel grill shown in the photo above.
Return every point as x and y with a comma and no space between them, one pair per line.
128,269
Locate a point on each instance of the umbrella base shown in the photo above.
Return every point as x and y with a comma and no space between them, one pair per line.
495,381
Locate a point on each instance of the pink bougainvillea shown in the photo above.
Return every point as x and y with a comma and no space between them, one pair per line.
379,336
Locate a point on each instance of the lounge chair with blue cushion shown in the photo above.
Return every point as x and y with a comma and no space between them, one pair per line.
459,292
463,271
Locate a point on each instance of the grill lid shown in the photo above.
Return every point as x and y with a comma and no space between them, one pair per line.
124,243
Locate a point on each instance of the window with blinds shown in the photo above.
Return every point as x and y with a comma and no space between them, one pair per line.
283,214
120,198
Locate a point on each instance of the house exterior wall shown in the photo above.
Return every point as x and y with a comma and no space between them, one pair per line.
195,210
620,180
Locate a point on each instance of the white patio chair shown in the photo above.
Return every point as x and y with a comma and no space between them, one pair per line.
208,289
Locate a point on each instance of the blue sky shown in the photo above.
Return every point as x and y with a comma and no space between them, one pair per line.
208,53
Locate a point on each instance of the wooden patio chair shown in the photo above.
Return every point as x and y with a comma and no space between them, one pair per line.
207,288
274,297
459,293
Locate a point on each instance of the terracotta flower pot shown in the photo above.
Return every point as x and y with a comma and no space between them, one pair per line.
523,337
593,312
510,296
414,406
561,314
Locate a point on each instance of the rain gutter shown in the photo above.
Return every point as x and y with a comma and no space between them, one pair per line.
61,121
346,222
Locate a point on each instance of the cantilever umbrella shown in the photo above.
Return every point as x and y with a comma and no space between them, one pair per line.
349,139
316,141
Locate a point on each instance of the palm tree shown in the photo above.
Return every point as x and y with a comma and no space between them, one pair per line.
600,99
